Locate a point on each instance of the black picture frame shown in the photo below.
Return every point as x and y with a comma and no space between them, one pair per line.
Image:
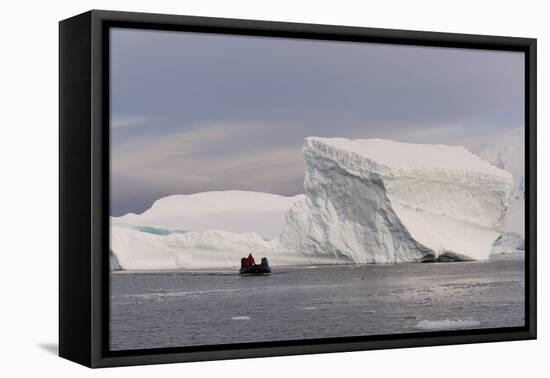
84,187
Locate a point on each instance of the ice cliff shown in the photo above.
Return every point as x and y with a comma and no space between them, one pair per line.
366,201
379,201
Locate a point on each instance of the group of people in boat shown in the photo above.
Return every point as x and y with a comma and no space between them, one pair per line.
249,266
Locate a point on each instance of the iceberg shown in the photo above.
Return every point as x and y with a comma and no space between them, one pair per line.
366,201
114,264
509,243
137,250
507,152
203,230
212,249
231,210
379,201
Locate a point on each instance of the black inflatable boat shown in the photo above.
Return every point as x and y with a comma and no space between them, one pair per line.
256,270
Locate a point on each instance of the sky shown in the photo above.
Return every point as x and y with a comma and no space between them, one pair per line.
195,112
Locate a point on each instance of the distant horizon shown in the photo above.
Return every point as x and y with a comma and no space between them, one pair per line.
194,113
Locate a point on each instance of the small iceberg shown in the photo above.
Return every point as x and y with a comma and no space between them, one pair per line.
240,318
447,324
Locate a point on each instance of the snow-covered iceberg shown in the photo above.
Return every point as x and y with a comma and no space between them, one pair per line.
507,152
509,245
137,250
212,249
366,201
202,230
379,201
231,210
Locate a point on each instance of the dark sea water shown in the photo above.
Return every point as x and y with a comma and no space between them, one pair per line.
169,309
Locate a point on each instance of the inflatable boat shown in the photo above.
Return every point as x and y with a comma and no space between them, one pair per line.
257,270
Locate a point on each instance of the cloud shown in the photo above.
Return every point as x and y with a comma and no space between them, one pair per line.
174,163
146,150
169,162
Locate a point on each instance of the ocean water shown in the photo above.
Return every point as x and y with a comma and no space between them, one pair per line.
169,309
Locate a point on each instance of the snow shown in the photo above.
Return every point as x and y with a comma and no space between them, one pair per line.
380,154
379,201
233,210
366,201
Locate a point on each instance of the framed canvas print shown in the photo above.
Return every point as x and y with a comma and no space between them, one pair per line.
234,188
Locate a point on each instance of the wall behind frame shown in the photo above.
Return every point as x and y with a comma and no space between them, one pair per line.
29,148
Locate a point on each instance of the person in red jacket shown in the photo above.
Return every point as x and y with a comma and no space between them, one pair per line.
251,261
248,261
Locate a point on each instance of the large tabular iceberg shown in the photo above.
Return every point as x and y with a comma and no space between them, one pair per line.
379,201
366,201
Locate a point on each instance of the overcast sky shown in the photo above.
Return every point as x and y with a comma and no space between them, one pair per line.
197,112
